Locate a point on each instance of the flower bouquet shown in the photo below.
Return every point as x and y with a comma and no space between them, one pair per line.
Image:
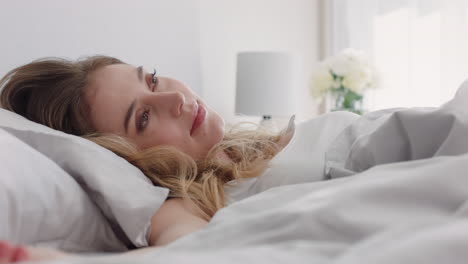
344,77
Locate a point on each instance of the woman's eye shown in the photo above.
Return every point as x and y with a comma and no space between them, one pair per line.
144,119
154,80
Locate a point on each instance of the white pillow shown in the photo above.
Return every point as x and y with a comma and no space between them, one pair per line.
124,194
42,205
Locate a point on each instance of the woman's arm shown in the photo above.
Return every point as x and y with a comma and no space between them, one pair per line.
175,218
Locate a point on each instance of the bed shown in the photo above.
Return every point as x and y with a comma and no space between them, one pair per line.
396,191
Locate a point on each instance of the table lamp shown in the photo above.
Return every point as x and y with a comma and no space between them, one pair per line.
264,84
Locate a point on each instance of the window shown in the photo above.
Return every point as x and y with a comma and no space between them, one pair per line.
420,47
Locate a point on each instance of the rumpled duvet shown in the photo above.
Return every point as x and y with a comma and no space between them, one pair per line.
396,192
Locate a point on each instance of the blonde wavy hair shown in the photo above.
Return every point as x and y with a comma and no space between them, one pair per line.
50,91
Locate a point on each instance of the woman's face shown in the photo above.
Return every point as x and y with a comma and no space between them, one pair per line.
128,101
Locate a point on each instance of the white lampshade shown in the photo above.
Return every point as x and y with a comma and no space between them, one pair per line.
265,82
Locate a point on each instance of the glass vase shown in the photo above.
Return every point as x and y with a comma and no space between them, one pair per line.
346,100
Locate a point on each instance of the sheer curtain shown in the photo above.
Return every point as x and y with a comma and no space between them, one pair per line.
420,47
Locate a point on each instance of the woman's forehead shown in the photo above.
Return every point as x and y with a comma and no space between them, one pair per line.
110,91
115,72
113,78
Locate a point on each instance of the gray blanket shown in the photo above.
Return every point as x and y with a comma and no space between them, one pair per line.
396,135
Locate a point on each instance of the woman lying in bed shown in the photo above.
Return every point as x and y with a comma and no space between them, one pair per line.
159,125
156,123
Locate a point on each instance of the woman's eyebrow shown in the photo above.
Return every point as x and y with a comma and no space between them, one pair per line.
128,115
140,73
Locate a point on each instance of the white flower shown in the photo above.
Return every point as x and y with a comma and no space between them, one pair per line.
358,79
321,81
352,69
343,62
338,65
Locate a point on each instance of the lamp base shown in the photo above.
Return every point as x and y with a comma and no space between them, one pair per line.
268,123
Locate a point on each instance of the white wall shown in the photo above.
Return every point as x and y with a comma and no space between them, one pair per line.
159,33
227,27
195,41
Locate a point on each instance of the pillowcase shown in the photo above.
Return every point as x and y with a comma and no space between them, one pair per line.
124,194
44,206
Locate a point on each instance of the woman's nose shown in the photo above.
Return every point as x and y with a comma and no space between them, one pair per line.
172,102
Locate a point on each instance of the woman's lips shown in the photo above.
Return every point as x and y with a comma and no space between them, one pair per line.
199,117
